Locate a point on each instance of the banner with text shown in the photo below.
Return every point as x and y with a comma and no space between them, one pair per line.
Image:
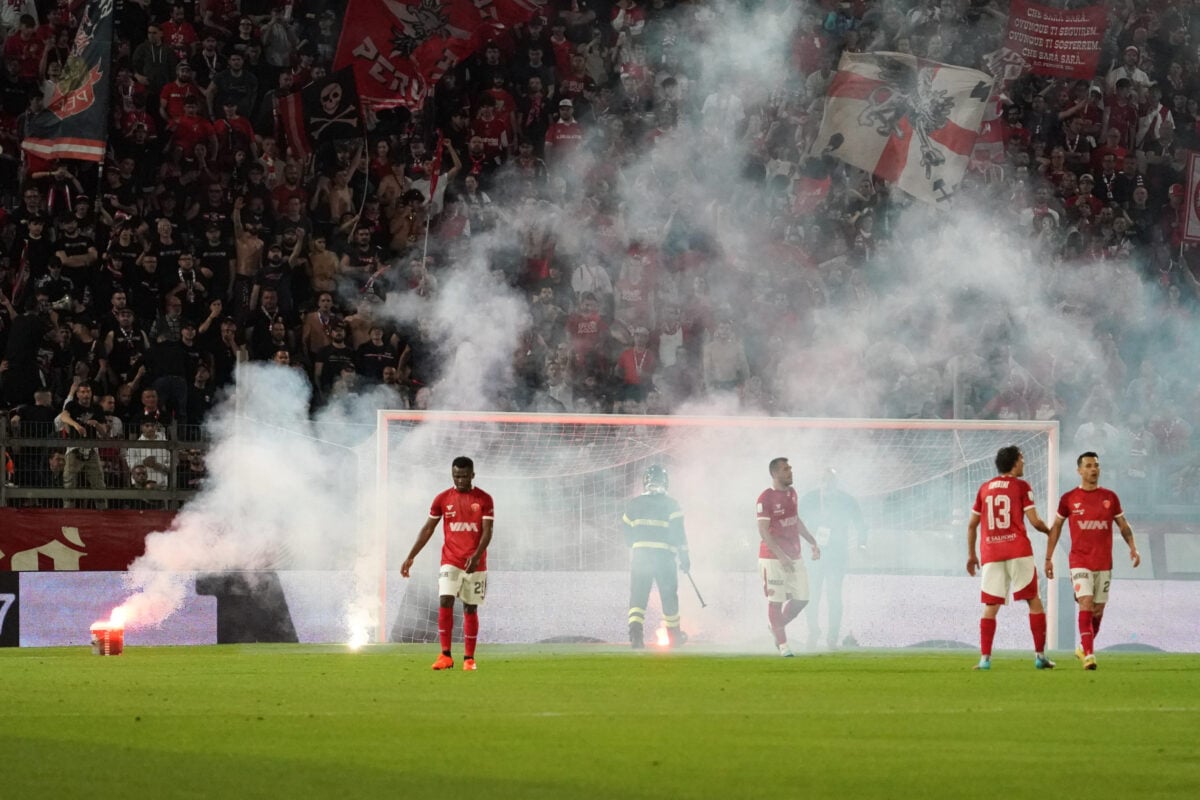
1063,44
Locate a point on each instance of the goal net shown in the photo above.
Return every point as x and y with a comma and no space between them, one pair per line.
558,564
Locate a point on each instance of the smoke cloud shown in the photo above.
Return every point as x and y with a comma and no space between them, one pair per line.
942,303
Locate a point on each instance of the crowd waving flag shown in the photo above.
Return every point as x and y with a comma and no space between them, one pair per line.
399,49
74,123
1006,65
911,121
323,112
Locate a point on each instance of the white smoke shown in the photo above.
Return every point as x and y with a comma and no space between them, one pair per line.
281,494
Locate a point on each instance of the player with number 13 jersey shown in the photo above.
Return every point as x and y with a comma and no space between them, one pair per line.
1002,505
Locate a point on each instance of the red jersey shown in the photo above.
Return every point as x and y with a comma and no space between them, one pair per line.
462,515
563,138
636,367
27,51
494,133
1091,515
585,332
191,131
1123,117
1000,504
175,94
505,104
779,507
573,86
179,37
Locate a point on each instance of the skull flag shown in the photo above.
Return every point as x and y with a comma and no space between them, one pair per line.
74,123
911,121
325,111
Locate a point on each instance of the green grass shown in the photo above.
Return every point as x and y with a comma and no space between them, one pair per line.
302,721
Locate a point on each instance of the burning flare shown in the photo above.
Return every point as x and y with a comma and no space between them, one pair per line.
661,638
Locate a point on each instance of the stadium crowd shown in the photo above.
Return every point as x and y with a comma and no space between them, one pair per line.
672,236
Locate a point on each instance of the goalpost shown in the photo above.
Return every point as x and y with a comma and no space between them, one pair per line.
560,483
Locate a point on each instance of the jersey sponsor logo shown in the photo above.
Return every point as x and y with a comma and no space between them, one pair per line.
788,522
464,527
1092,525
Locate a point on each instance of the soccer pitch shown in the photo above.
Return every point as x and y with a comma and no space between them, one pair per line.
592,722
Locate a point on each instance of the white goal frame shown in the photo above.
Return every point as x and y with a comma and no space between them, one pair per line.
384,417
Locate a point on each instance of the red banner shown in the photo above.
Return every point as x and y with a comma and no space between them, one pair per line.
48,539
399,49
1063,44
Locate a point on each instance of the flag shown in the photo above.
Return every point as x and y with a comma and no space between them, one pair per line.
435,167
399,49
323,112
74,123
1189,210
911,121
1006,66
810,186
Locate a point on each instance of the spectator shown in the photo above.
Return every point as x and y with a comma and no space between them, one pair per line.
83,420
156,461
725,364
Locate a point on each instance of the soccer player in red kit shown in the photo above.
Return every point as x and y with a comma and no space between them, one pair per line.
1003,504
466,513
785,580
1092,510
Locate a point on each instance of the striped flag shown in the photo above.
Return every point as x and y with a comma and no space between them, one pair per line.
74,123
911,121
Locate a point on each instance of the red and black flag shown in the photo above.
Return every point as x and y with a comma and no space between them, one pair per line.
323,112
400,49
74,123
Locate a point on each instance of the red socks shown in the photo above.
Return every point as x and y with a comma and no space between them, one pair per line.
445,627
1037,624
1087,631
470,633
775,617
987,632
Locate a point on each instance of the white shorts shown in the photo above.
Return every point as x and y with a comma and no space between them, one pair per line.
468,587
1017,574
1091,584
779,584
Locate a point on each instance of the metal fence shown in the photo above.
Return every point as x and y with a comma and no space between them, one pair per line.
44,470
